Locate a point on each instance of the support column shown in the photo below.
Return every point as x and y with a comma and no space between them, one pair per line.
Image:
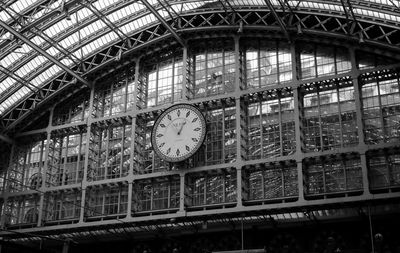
182,194
86,164
44,171
129,207
82,207
299,153
239,190
239,157
236,39
360,126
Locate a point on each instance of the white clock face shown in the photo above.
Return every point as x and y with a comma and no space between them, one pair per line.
178,133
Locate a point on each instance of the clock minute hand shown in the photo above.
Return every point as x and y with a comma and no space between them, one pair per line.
180,130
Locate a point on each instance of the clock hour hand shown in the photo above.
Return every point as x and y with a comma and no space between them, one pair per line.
180,130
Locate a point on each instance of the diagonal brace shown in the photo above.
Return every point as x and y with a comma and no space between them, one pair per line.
278,19
9,92
162,20
44,53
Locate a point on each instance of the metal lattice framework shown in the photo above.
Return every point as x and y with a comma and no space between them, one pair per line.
372,23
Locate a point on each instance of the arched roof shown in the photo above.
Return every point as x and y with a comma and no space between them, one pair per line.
50,46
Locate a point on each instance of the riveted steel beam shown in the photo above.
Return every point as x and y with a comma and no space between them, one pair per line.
164,22
278,19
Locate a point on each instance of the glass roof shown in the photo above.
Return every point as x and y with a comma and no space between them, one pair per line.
71,31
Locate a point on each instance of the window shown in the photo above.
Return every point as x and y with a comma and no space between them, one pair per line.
381,110
332,176
109,152
268,63
270,126
317,61
329,118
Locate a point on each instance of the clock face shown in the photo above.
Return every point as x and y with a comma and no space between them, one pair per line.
178,132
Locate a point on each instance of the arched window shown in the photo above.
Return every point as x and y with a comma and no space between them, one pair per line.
35,181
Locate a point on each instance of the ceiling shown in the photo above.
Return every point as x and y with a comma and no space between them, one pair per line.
50,47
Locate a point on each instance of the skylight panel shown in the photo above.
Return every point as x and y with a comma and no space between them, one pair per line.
375,14
84,13
14,98
102,4
19,6
41,79
331,7
10,58
138,23
6,84
97,44
67,62
4,16
70,40
52,51
92,28
37,40
30,66
120,14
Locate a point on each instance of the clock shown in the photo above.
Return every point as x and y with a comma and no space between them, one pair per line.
178,132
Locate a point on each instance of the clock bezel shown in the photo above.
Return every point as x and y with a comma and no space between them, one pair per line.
161,117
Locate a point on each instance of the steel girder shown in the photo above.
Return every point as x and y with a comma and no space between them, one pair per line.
18,64
164,22
23,60
330,24
43,52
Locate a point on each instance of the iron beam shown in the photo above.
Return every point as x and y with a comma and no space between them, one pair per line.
44,53
106,21
278,19
162,20
14,89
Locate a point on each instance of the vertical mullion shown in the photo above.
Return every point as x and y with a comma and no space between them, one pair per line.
185,73
125,96
261,130
283,181
223,72
321,139
108,130
61,206
173,81
340,116
223,187
206,72
205,190
157,79
103,200
259,64
315,62
223,134
111,99
119,199
324,176
151,195
345,168
78,161
277,62
63,171
263,183
121,163
280,124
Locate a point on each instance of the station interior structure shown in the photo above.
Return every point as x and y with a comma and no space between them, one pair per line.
302,106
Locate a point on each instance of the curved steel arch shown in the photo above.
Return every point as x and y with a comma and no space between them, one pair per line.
123,3
210,19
